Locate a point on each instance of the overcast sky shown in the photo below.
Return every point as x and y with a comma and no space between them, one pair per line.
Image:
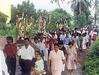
47,5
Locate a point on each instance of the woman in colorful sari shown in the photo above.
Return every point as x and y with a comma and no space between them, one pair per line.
71,59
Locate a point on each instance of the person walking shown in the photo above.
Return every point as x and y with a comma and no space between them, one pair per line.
26,54
38,69
10,51
71,59
56,60
3,65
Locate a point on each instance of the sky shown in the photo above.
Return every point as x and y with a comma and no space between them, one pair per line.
47,5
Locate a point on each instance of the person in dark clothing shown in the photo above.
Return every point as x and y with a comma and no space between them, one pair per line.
61,47
80,42
10,51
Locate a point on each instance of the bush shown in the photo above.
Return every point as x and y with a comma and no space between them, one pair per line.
92,62
7,30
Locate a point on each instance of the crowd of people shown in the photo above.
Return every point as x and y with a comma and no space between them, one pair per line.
54,52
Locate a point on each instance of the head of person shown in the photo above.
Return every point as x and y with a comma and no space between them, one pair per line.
41,35
56,46
56,41
73,42
61,44
79,35
66,35
26,41
20,38
64,32
74,35
38,55
53,35
9,40
70,44
84,34
35,39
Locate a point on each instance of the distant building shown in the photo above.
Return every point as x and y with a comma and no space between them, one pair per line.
5,8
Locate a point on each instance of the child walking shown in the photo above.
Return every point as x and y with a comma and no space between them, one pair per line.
39,65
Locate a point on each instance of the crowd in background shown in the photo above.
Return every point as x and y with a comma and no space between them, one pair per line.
53,51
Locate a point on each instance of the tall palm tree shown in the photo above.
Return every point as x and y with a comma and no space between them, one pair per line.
58,2
80,7
96,7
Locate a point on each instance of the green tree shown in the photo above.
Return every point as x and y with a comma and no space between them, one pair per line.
27,12
13,14
81,11
92,62
96,7
58,2
59,14
27,8
3,18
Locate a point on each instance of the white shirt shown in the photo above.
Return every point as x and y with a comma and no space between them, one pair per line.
26,53
95,32
56,60
87,38
92,33
42,45
55,36
36,46
79,31
39,65
3,66
62,37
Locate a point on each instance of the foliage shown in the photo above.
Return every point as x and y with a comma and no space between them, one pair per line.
51,27
44,14
7,30
13,14
33,30
81,12
80,6
58,14
3,18
27,8
81,17
92,62
57,1
96,7
81,20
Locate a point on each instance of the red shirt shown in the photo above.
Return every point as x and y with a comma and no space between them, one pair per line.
94,37
10,49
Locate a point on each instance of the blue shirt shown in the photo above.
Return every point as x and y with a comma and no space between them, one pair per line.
67,40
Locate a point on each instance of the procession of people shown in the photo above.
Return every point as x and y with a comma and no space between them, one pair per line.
51,52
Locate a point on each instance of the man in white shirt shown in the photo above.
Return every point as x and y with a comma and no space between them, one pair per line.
62,36
26,54
43,48
3,66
